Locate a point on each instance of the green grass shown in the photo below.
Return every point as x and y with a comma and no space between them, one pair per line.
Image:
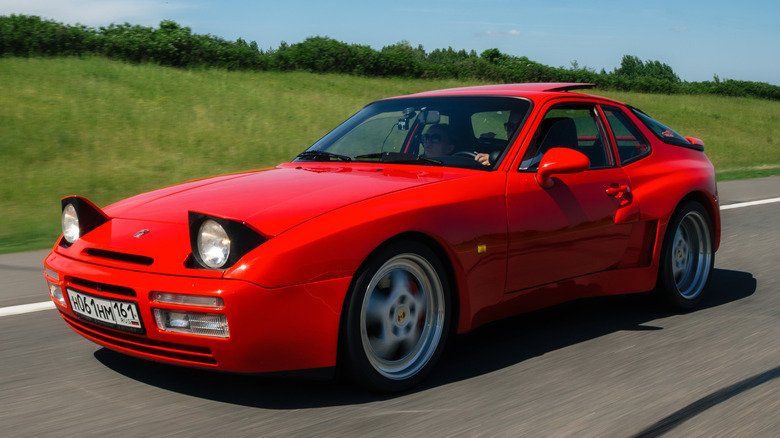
107,130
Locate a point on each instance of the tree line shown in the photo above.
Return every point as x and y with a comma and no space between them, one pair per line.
173,45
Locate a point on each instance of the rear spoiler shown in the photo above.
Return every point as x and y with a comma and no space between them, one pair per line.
695,141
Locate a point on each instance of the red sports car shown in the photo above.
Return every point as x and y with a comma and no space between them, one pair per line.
419,217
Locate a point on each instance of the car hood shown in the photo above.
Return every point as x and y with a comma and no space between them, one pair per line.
277,199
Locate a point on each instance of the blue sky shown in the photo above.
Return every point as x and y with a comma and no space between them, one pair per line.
698,39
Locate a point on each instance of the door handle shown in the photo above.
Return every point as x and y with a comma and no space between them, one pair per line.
618,190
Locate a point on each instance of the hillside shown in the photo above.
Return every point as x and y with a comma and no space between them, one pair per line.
106,129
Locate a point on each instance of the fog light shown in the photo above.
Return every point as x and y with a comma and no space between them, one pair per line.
195,323
56,293
54,289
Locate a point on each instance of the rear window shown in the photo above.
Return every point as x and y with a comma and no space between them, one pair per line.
661,131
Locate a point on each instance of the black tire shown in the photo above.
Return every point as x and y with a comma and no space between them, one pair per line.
397,318
687,257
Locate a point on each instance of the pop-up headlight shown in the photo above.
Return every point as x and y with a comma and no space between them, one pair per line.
219,243
213,244
79,217
70,224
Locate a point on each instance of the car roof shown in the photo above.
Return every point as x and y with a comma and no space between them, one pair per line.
511,89
536,91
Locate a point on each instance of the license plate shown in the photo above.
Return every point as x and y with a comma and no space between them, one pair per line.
118,314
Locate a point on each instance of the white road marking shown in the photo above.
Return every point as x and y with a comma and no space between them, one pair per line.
26,308
46,305
749,204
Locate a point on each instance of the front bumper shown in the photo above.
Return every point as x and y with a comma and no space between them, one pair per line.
271,330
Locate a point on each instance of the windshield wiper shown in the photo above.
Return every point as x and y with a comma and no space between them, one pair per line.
323,154
397,157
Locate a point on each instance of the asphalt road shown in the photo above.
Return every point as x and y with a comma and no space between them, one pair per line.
615,367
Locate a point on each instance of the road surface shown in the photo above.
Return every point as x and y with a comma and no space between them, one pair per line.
614,367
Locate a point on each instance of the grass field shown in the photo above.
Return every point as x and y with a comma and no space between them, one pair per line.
107,130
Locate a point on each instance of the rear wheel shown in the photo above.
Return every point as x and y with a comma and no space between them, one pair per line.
687,257
397,318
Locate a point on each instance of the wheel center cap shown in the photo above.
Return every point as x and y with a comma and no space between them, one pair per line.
401,316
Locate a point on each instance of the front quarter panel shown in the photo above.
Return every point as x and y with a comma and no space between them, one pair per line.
466,218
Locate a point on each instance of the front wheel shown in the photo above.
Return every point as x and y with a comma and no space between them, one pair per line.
687,257
397,318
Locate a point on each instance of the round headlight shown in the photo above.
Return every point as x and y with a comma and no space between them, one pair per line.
213,244
70,224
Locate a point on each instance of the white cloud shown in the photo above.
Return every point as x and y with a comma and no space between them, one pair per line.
494,34
94,13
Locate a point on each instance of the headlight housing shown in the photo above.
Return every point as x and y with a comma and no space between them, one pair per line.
70,224
213,244
219,243
79,217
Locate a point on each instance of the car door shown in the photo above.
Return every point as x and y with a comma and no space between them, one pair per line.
580,225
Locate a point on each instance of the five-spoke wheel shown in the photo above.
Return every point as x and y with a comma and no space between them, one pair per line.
687,257
397,318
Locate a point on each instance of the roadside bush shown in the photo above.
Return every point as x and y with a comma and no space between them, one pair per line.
173,45
22,35
633,68
325,55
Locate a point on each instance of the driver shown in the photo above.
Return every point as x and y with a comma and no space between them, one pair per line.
438,141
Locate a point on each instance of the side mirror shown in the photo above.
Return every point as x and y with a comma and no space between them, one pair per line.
559,161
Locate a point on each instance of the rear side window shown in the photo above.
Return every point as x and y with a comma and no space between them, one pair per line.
631,144
661,131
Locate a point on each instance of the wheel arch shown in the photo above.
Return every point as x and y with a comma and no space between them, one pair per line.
662,212
440,252
710,204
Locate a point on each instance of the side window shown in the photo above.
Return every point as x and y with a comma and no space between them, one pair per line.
493,130
574,127
631,144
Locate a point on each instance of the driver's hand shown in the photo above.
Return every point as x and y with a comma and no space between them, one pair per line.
483,159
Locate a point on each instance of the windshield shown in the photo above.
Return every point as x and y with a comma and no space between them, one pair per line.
468,132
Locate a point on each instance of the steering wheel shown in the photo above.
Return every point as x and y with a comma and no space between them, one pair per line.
472,155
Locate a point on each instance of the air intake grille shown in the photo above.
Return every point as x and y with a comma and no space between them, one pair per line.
119,256
102,287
